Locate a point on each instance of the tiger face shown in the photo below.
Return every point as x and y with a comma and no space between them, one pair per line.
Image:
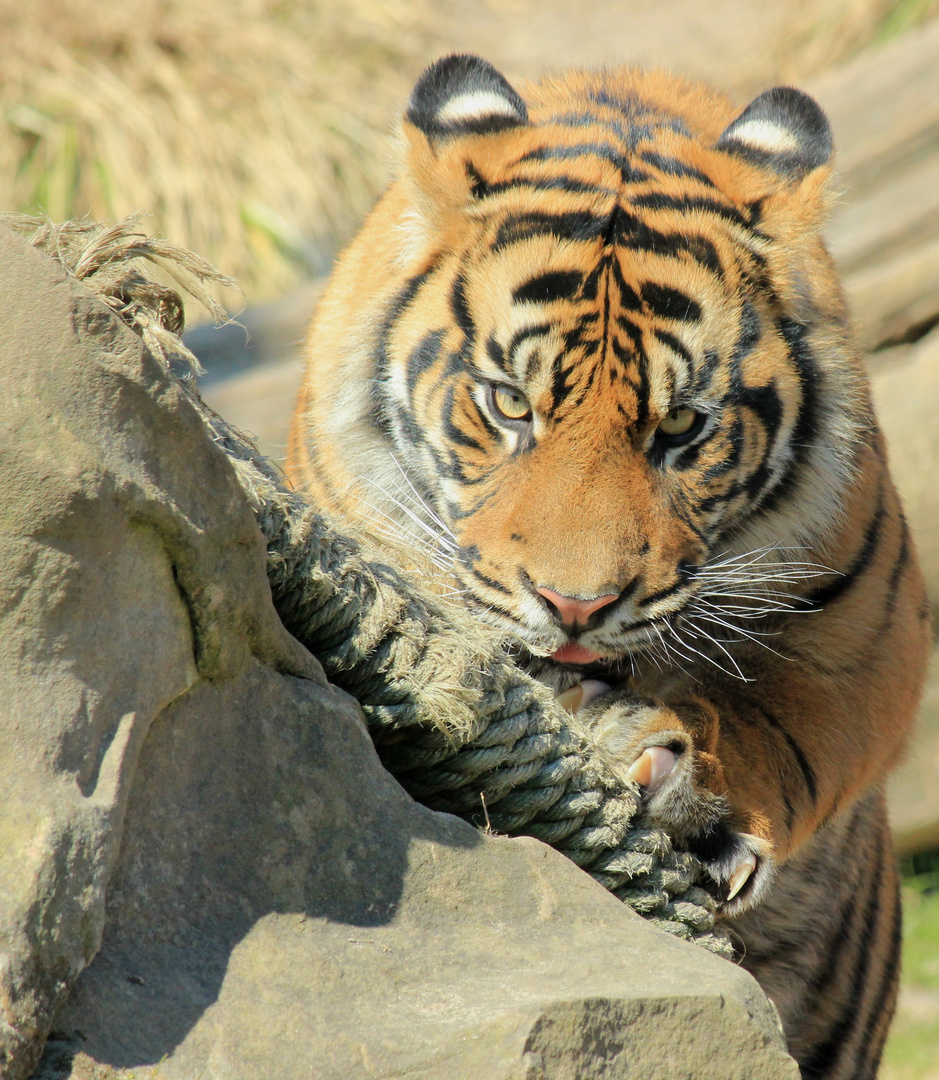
599,373
607,351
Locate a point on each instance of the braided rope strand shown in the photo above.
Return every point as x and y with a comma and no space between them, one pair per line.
517,759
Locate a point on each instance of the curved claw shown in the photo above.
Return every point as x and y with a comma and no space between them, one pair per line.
581,694
652,766
740,876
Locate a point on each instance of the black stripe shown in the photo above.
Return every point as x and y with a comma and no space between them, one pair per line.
634,334
453,433
554,285
496,586
628,297
839,944
673,167
805,429
749,336
676,346
868,1056
521,336
823,1058
706,370
902,560
479,185
767,404
488,607
668,303
663,594
629,174
630,231
497,355
483,189
636,363
423,357
808,773
657,200
406,429
377,413
834,590
460,309
641,114
563,378
580,225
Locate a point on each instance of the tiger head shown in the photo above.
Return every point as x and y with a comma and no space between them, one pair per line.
606,346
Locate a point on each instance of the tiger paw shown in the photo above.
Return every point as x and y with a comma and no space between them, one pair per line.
684,792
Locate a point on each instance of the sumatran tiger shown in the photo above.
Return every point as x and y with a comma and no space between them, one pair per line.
591,342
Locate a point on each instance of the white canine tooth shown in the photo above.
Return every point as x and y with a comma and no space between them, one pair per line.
740,876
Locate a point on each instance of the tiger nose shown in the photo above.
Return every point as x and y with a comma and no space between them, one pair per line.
571,611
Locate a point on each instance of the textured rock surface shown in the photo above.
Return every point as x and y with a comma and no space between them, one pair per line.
185,797
117,597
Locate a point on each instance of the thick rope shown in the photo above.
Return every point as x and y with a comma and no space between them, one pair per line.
461,727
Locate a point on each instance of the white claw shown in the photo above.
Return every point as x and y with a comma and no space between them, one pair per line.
571,698
740,876
593,688
581,694
652,765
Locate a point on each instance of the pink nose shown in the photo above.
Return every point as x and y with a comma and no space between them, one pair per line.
575,612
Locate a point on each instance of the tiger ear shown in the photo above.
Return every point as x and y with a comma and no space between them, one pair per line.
464,95
460,113
783,130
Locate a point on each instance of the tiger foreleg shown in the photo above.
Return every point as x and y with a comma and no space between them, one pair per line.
670,754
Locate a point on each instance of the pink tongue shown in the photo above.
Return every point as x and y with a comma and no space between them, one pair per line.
572,653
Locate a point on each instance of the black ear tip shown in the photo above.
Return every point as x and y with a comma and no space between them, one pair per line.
461,94
805,114
783,129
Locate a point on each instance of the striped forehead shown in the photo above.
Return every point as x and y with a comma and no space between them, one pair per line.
561,314
599,235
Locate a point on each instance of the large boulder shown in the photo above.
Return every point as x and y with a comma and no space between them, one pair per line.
203,864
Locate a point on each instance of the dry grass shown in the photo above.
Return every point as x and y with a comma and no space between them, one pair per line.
253,130
827,32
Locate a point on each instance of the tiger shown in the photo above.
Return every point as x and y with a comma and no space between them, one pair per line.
590,355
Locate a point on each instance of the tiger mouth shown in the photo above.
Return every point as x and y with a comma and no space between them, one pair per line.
572,652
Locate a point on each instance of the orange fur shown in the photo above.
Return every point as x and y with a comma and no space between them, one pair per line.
612,251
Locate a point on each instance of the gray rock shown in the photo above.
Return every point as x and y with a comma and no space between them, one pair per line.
204,870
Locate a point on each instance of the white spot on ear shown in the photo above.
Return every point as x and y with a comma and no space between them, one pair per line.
476,106
765,135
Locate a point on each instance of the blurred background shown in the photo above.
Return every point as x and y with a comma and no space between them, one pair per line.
256,132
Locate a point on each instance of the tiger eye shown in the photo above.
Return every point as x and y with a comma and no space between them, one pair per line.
678,422
510,403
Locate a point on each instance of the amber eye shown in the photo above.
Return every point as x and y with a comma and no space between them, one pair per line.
509,403
680,424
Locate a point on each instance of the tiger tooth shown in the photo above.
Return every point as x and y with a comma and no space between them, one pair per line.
740,876
571,698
